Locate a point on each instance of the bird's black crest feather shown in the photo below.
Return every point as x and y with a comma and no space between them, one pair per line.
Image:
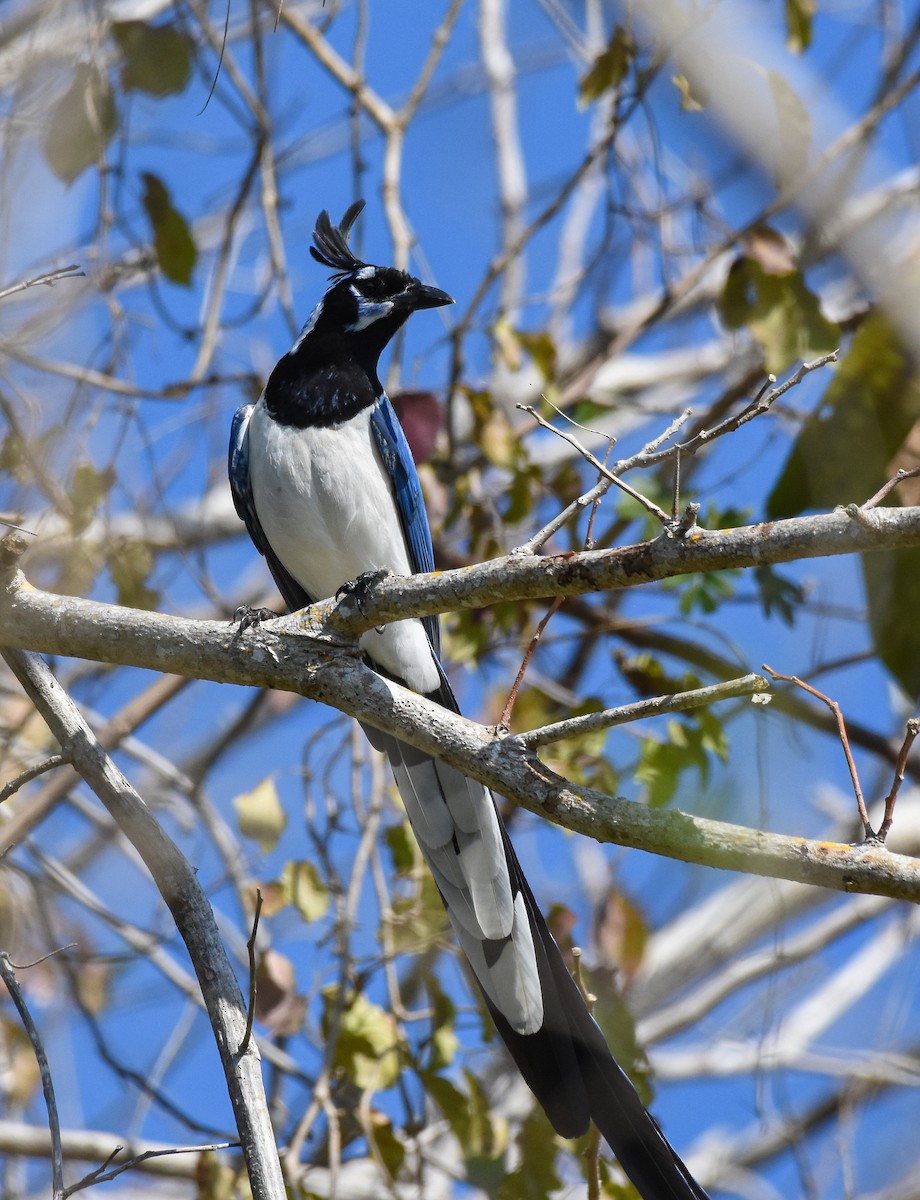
331,247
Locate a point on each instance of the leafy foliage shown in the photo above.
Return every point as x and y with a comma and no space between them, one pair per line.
779,310
844,449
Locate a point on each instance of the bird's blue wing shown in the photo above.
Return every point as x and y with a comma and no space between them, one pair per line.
410,503
241,489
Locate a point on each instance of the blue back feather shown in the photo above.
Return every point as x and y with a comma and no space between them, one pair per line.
407,490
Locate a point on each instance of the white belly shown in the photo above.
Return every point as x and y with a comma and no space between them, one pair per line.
326,506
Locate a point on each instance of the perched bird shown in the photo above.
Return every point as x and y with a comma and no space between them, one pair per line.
323,477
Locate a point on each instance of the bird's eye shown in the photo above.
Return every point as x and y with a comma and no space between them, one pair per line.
375,287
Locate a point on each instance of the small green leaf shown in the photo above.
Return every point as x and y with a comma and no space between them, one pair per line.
481,1139
260,816
403,847
484,1137
172,241
661,763
444,1041
493,432
610,67
155,58
391,1150
616,1020
11,453
535,1176
799,15
704,591
454,1105
778,593
82,124
302,886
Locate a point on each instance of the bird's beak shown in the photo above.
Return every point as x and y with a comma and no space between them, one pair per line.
420,295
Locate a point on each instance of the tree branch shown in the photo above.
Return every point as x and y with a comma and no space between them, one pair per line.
8,975
263,657
179,887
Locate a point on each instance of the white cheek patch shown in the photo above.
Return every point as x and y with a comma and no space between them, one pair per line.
308,328
369,311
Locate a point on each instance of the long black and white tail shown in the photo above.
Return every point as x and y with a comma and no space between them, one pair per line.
536,1005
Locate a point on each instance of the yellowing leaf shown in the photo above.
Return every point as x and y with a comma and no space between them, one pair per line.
130,565
506,342
781,312
542,349
90,486
278,1004
768,248
302,886
690,101
793,122
444,1045
260,816
81,125
367,1044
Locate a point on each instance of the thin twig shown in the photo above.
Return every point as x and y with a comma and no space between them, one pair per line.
844,741
47,764
18,528
898,477
48,279
505,718
650,456
102,1173
556,604
913,728
600,489
251,948
610,717
760,404
44,958
596,463
589,542
8,976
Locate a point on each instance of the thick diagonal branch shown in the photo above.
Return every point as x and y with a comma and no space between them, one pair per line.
179,887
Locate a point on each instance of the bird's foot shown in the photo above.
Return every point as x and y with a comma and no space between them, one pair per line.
360,589
250,618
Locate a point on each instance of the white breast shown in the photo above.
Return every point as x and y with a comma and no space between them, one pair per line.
326,505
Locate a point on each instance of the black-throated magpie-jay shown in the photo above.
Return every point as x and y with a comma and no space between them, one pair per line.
323,477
